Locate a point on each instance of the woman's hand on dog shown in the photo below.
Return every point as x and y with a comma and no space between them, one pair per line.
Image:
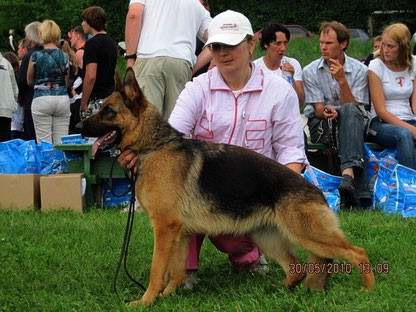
128,160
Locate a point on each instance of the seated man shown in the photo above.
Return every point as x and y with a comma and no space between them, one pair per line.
336,88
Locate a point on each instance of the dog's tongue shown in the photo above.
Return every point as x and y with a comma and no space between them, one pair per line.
104,142
96,145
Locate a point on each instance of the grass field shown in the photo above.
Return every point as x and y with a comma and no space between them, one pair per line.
63,261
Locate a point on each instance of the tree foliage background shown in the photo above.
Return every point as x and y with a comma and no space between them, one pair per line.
16,14
309,13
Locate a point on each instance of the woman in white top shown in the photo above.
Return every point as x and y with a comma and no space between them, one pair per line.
393,121
275,39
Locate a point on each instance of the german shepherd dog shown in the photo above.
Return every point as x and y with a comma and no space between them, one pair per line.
188,186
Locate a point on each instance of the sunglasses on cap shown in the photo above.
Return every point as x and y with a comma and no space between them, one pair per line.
215,47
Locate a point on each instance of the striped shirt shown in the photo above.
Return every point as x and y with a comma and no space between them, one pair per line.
321,87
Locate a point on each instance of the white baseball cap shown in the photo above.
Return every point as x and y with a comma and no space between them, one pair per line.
229,28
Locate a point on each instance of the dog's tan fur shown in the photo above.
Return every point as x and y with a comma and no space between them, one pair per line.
169,190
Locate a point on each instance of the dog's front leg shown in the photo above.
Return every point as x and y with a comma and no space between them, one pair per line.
177,262
165,234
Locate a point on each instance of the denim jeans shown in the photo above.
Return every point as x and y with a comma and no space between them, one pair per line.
351,128
389,135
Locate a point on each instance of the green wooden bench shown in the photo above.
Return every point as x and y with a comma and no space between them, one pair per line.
321,146
317,154
94,168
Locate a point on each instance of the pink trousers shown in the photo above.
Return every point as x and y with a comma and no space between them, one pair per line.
242,252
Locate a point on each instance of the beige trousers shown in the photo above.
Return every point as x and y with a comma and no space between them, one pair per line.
51,118
162,79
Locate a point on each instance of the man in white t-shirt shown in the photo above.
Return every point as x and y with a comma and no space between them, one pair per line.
162,34
275,39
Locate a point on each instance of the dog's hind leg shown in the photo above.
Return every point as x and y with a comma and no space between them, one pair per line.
317,277
315,228
177,271
165,234
337,248
279,249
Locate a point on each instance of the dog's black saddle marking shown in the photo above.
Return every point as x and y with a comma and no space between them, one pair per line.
240,181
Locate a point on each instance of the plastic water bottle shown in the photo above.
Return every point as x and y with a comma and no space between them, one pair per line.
287,76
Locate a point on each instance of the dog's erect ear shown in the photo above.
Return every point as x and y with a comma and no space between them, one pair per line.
131,87
119,83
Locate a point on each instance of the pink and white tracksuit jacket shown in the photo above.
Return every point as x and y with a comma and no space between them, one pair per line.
264,116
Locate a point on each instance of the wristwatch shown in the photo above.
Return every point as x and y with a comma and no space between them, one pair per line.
131,56
83,114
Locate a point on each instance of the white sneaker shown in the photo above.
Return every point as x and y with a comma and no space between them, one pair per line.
191,279
262,267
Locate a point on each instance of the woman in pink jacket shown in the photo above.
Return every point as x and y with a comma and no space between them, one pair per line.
237,103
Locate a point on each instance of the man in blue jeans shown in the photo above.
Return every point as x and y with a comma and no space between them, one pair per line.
336,89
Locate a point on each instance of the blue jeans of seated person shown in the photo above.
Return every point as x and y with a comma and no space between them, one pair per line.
351,128
389,135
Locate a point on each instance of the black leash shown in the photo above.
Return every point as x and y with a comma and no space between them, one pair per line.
129,226
130,219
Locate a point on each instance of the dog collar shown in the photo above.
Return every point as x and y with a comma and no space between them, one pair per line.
147,153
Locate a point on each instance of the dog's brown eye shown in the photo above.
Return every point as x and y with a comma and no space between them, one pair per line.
108,109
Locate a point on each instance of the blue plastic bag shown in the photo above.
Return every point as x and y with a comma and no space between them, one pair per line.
327,183
381,186
32,163
402,192
18,156
53,161
120,185
372,166
11,161
387,157
73,139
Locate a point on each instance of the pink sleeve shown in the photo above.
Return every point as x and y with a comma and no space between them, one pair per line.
288,139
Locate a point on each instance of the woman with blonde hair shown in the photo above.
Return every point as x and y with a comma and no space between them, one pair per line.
48,73
73,69
392,85
70,53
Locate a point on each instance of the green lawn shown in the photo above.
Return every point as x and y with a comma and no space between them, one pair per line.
63,261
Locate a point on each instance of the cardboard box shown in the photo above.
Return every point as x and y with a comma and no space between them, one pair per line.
62,191
19,191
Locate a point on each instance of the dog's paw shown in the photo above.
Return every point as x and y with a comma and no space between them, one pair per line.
134,303
317,282
292,280
145,301
140,302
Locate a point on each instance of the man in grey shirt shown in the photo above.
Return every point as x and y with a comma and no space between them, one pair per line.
336,90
